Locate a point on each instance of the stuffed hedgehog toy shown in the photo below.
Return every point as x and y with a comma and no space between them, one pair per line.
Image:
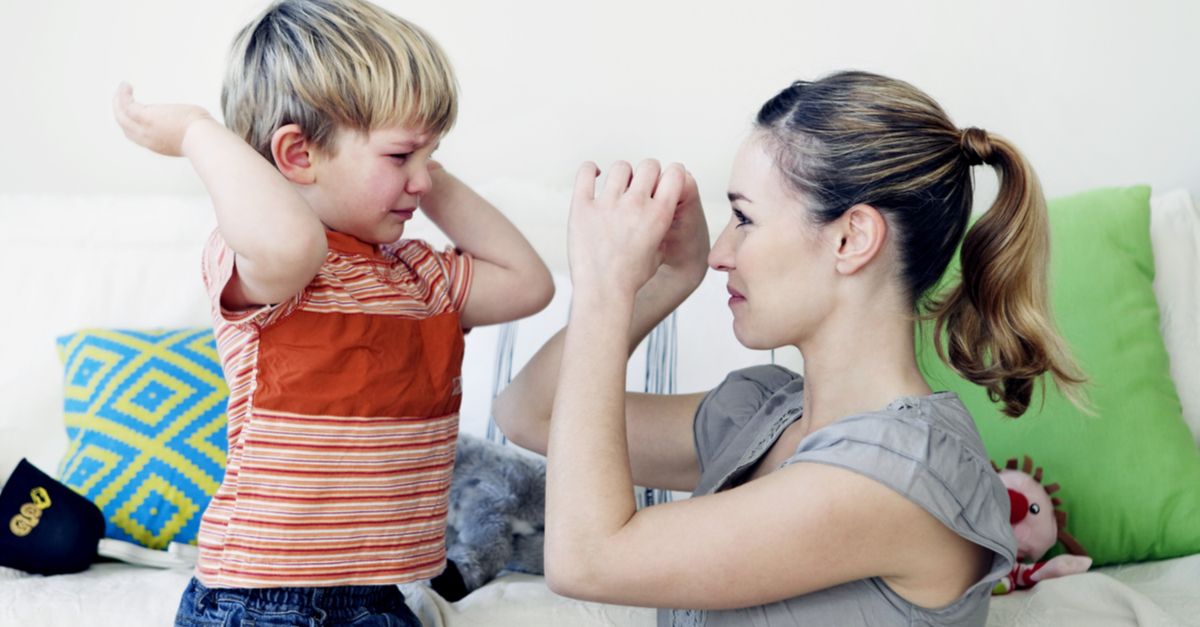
497,516
1037,525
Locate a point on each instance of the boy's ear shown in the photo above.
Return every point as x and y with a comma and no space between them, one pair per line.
862,231
292,153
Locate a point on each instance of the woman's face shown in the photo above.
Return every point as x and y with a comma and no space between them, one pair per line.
780,265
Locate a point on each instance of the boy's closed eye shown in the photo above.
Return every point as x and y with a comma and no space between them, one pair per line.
403,157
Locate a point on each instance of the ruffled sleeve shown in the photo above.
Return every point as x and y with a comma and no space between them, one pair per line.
728,407
907,449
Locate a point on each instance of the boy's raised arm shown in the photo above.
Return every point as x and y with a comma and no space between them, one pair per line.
279,242
510,280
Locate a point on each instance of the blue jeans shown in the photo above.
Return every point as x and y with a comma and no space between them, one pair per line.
356,606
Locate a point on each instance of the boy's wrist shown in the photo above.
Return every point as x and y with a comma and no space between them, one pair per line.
196,126
443,187
441,179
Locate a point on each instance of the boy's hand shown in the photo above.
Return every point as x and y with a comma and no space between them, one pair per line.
160,127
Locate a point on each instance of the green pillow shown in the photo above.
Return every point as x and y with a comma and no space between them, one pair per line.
1130,474
145,416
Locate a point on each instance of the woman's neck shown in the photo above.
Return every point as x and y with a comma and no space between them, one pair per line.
856,364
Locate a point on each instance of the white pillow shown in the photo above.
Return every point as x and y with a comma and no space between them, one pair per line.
83,261
133,261
1175,239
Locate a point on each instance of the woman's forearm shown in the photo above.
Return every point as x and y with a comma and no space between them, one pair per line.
589,483
523,409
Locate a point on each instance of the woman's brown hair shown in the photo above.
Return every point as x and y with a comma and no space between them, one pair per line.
859,138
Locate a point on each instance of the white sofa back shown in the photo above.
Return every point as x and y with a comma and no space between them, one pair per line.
134,262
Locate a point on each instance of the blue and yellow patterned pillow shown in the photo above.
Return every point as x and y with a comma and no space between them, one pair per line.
145,416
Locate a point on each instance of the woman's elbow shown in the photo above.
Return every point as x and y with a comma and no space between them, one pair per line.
558,583
519,427
504,417
539,291
568,578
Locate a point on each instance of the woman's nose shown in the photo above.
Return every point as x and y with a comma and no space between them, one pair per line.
720,256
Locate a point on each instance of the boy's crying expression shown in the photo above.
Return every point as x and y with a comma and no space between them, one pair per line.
369,184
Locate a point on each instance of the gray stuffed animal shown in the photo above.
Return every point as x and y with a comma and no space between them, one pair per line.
497,516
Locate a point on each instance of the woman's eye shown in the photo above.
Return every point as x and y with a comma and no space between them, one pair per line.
741,218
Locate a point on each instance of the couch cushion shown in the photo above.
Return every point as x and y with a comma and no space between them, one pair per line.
145,417
1175,236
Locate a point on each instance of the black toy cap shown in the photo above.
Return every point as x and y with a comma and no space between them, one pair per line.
47,528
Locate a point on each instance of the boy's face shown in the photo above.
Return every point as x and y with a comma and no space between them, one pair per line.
373,183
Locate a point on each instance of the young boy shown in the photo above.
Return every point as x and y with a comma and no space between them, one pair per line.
342,346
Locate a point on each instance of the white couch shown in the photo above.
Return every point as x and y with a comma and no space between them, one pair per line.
133,262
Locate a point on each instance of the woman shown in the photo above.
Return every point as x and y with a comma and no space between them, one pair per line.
853,495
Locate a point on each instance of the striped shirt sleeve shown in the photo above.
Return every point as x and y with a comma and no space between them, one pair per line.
455,267
217,270
460,269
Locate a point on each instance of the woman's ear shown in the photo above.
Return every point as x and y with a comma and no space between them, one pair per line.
292,153
862,230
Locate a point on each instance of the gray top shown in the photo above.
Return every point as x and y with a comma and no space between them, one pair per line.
926,448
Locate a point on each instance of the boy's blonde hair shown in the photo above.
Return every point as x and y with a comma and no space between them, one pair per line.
331,64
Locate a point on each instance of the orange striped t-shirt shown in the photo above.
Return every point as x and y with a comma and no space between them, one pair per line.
343,415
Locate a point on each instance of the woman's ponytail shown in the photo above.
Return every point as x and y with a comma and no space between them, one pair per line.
998,329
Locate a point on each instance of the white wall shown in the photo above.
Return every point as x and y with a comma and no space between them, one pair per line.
1096,93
